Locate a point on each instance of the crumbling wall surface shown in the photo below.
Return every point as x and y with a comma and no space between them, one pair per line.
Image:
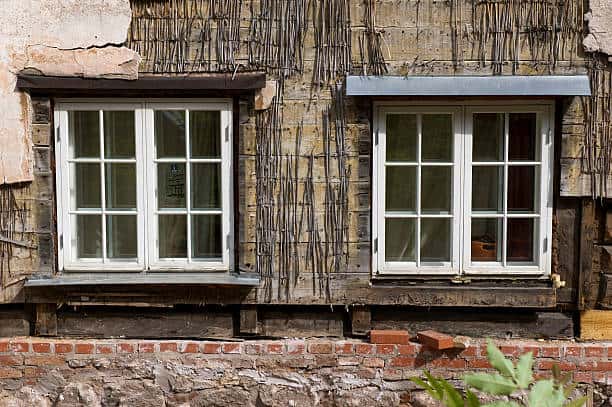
599,17
297,372
54,37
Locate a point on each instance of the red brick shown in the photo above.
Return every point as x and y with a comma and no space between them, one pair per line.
392,374
349,361
402,361
344,348
373,362
253,349
20,346
593,351
583,377
125,348
448,363
535,350
231,348
364,348
599,377
8,360
41,347
10,373
84,348
573,350
62,347
366,373
190,347
479,364
509,350
4,347
320,347
105,349
551,351
296,347
469,351
407,349
275,348
211,348
168,347
146,347
436,340
385,349
388,336
51,360
548,365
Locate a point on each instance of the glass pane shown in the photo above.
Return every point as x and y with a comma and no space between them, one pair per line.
437,138
435,240
400,239
486,239
170,133
84,130
206,186
521,189
121,237
207,241
205,134
522,136
400,189
171,185
88,236
119,134
488,137
487,189
436,187
520,240
172,236
87,185
120,179
401,137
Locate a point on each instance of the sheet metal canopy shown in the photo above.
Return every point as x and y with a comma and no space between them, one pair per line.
75,279
574,85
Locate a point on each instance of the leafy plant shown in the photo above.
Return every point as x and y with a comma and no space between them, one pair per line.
510,379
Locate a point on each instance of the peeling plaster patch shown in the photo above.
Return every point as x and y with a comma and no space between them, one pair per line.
599,21
59,38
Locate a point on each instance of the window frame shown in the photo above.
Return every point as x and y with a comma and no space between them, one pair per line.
146,184
461,235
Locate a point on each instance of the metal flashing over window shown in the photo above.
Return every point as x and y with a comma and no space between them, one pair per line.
85,279
567,85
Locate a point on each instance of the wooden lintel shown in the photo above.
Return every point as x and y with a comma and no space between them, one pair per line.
361,320
248,320
46,320
596,324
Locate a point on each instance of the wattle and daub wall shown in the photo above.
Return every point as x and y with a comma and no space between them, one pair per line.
304,176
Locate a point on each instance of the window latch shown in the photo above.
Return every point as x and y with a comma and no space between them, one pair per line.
376,245
61,241
376,138
227,133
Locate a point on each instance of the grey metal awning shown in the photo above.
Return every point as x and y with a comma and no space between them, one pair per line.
178,278
566,85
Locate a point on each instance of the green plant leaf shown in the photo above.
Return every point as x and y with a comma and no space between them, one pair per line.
499,361
567,390
471,399
427,387
542,393
577,403
491,383
524,370
452,397
436,386
503,404
556,373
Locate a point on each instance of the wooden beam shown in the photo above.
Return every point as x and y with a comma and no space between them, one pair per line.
248,321
361,320
46,320
290,323
596,324
587,237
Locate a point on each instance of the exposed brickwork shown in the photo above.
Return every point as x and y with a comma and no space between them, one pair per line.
436,340
389,337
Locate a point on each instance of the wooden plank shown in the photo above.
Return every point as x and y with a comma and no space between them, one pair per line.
248,321
301,323
153,323
361,320
46,320
606,290
596,324
587,237
14,322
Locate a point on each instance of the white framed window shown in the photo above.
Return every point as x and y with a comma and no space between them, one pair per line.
144,185
462,188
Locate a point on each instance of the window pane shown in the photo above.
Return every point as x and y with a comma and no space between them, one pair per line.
87,185
171,185
207,241
119,134
170,133
400,189
520,240
120,182
487,188
401,137
435,240
88,236
84,130
436,187
172,236
522,136
488,129
521,189
400,239
437,138
486,234
206,186
121,237
205,134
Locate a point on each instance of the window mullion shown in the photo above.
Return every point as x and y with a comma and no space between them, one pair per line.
103,186
188,184
418,188
505,189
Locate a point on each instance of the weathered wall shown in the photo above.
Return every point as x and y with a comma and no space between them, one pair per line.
263,373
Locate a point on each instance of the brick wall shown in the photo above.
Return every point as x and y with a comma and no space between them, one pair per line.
36,371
